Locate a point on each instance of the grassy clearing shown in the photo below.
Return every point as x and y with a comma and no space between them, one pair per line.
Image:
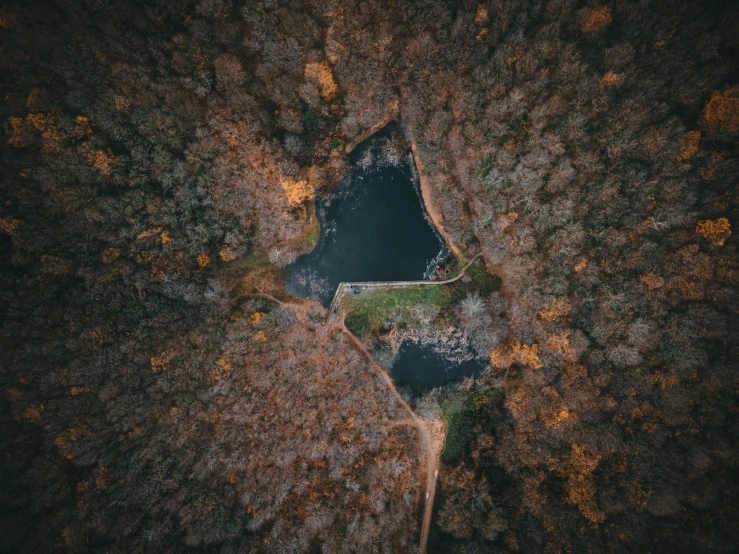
309,237
313,232
372,309
240,266
477,280
481,281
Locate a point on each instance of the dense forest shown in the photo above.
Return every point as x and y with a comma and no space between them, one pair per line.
161,392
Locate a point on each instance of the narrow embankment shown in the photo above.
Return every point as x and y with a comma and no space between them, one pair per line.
364,285
427,196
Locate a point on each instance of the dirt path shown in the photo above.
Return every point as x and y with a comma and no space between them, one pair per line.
437,430
432,432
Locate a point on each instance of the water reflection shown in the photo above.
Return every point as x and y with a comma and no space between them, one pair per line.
420,367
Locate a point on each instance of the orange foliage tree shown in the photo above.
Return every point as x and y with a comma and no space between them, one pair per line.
504,357
715,230
596,18
721,112
322,73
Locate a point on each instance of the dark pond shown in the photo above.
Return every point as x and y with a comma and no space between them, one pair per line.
374,228
420,367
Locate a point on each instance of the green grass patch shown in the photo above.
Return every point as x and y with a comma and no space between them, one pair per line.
357,323
378,306
242,264
371,311
314,231
478,280
459,266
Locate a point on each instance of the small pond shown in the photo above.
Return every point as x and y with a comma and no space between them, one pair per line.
419,367
374,228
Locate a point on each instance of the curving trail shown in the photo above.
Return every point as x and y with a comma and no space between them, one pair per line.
432,432
437,430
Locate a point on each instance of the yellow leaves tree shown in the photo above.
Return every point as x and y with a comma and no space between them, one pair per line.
481,16
715,230
224,364
81,127
596,18
321,71
15,127
160,362
53,134
611,79
652,281
721,112
8,225
297,192
48,125
556,309
203,260
226,254
101,160
32,414
505,356
688,145
580,486
163,235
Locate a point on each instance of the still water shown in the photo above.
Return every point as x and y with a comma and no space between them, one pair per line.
374,228
419,367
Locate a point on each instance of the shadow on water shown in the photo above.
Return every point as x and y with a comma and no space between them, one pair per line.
374,228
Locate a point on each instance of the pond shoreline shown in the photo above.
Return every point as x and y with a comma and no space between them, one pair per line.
392,115
424,187
426,195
